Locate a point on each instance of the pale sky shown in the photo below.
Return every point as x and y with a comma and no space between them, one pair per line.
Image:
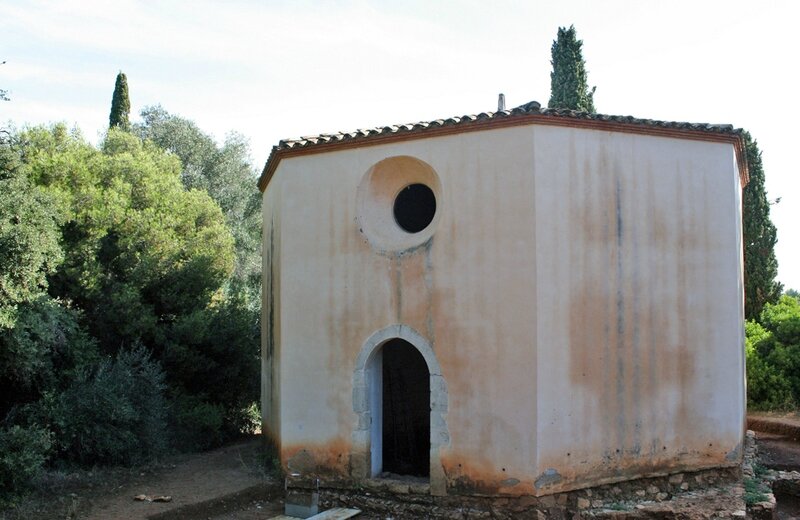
271,70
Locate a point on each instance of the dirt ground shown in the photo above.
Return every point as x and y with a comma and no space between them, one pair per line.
231,483
227,483
195,481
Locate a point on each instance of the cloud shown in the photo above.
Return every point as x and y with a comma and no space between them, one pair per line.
52,74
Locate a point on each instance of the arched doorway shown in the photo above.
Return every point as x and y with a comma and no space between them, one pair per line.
406,410
398,381
367,457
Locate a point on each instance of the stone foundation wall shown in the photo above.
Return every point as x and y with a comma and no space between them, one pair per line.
409,499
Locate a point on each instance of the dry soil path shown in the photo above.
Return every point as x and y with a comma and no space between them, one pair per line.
206,485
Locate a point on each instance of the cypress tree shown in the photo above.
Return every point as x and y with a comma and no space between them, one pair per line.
568,83
760,236
120,104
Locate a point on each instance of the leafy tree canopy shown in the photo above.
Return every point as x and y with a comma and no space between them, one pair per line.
29,236
140,249
224,172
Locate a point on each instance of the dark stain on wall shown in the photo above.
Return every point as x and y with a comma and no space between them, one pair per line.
269,288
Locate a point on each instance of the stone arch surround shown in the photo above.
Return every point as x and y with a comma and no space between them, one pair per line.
360,466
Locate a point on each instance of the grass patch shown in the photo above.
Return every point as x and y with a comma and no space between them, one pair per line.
755,491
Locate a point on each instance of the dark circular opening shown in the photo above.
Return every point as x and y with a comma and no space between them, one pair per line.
414,207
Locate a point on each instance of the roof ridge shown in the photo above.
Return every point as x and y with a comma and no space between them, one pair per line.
532,107
528,113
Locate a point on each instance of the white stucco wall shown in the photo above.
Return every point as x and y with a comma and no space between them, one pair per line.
638,265
581,293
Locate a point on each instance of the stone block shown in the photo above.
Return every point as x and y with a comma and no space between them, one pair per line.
438,422
439,438
360,403
361,438
363,421
359,379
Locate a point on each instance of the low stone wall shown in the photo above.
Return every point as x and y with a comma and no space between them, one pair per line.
409,499
761,505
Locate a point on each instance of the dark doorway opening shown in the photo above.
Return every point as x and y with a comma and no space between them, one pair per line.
406,410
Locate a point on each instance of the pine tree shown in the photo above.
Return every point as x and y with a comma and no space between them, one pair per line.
568,82
760,236
120,104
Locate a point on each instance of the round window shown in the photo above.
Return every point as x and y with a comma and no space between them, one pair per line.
399,204
414,207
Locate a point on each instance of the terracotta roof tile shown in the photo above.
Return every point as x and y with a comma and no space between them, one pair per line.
528,108
529,111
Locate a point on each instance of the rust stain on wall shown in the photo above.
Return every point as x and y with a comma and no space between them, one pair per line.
471,473
331,458
634,328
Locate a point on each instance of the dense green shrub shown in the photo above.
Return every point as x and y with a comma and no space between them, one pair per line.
46,344
212,357
42,353
214,354
198,424
23,452
773,356
783,320
114,413
766,388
